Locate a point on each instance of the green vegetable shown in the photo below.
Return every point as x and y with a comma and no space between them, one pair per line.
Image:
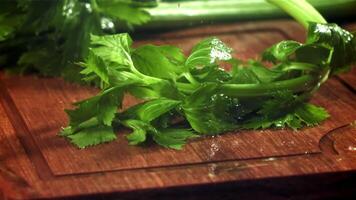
309,14
50,36
188,13
187,97
182,97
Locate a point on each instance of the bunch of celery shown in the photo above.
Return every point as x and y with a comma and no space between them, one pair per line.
187,97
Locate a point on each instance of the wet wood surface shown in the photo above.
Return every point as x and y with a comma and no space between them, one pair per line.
36,163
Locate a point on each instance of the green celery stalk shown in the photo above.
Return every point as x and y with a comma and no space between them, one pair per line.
300,10
188,13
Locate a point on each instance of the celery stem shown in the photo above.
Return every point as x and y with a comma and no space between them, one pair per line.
300,10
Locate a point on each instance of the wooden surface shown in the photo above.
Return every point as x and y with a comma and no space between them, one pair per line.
36,163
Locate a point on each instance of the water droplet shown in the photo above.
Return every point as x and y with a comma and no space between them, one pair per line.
353,124
214,147
351,148
279,124
106,24
88,7
212,170
270,159
219,51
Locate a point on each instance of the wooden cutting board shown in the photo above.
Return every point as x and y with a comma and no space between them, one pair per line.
313,162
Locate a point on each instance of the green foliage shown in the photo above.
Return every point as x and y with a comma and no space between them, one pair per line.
182,97
188,97
286,109
149,60
281,51
326,44
150,110
59,31
139,132
203,111
254,73
341,43
113,48
305,114
208,51
173,138
125,11
92,136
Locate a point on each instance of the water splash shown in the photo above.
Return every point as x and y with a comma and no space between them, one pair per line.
212,170
214,147
219,51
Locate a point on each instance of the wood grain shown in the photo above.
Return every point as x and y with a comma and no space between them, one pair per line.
349,79
36,163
